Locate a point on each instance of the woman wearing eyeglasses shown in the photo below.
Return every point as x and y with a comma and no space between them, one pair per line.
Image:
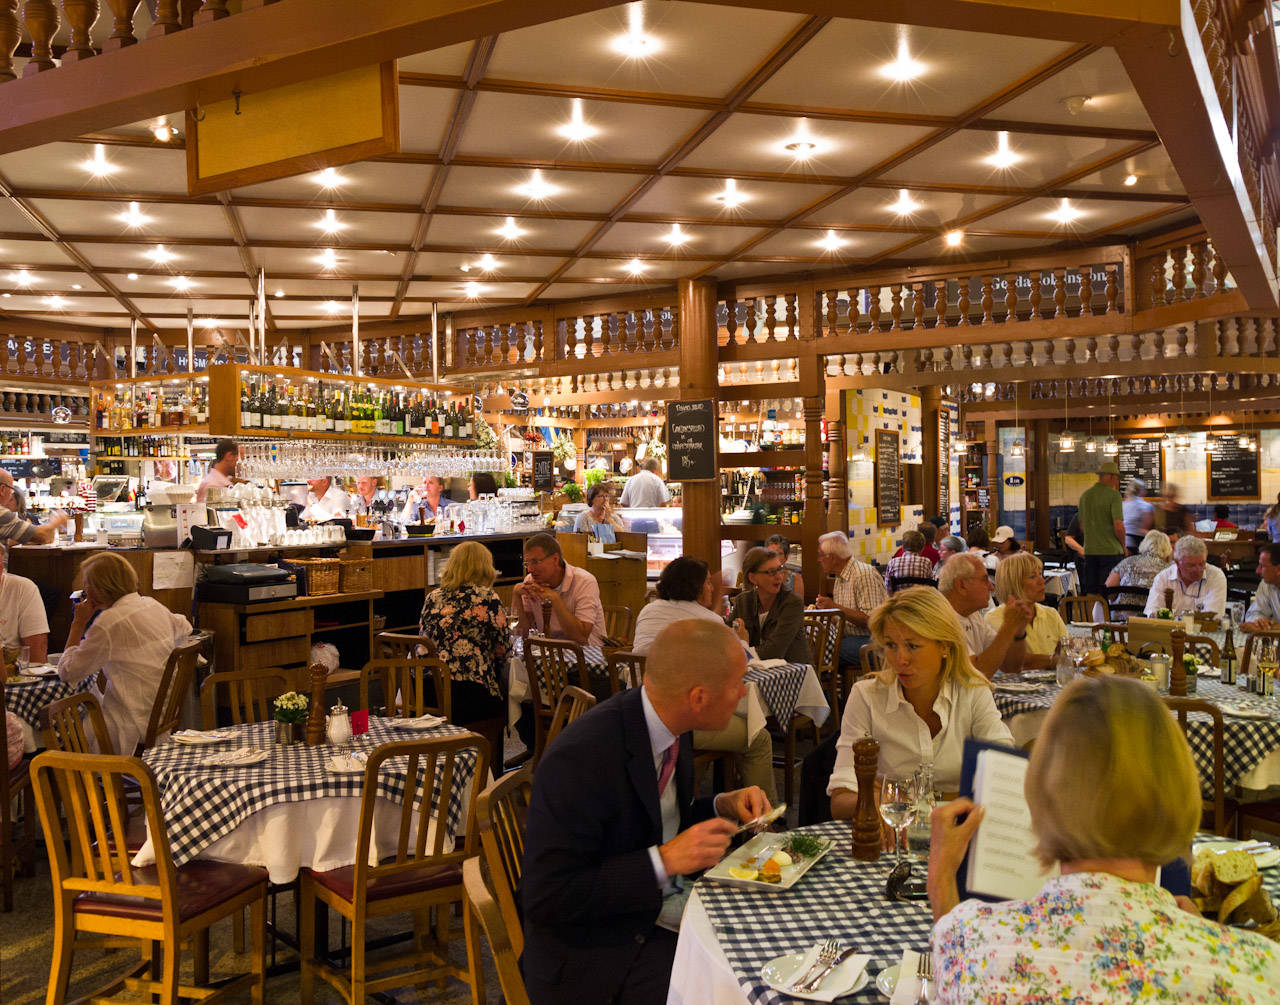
772,615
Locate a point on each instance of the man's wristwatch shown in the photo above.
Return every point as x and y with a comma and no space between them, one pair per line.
1020,638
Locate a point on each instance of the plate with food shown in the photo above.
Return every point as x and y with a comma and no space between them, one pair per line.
1226,886
770,861
1263,853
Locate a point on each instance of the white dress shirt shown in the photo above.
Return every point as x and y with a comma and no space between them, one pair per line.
334,504
644,489
1266,603
978,632
21,610
215,479
1209,592
130,642
881,711
660,739
657,614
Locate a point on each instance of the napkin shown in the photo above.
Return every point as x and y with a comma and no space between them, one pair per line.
421,722
347,762
907,989
198,736
40,670
759,664
851,970
238,757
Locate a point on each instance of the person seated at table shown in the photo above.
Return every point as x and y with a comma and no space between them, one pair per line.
613,825
1264,612
923,705
1270,521
1136,513
22,616
1021,577
687,590
325,501
909,563
965,585
597,511
1155,552
1196,585
781,545
1222,517
1004,544
574,595
129,641
929,531
482,483
13,528
425,502
856,592
772,615
948,546
1113,793
464,619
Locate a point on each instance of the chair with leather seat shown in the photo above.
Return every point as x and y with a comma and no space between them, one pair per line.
97,891
423,872
247,694
15,783
175,685
506,942
404,686
1218,811
502,812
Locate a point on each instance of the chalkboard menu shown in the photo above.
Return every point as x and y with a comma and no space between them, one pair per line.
1142,458
1233,470
691,440
32,467
544,471
888,477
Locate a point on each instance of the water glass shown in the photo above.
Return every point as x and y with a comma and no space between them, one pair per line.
898,807
24,658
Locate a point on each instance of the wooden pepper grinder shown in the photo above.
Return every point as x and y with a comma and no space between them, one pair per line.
546,618
315,716
1168,597
1177,669
866,818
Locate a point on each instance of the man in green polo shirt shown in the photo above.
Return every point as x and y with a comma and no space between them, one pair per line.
1102,520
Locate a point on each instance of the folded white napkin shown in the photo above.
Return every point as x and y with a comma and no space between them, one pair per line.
837,982
907,990
421,722
200,736
759,664
236,757
40,670
347,763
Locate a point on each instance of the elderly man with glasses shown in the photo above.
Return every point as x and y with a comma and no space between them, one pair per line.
857,590
15,530
573,593
1196,585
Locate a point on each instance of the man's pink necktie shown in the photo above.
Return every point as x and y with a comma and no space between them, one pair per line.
668,767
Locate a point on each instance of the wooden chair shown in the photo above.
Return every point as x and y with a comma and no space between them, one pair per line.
1218,812
175,685
824,630
626,670
247,693
573,703
872,659
1079,607
502,933
1201,646
897,583
62,725
424,872
619,623
404,686
15,783
391,644
1117,603
1119,633
97,891
502,812
552,666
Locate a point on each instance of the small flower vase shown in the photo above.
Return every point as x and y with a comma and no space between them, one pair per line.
288,732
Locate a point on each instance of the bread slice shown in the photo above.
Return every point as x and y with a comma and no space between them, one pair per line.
1234,866
1257,908
1239,896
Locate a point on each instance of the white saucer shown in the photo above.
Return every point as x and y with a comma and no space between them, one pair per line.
843,980
887,980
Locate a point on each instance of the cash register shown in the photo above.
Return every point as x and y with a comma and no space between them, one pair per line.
246,583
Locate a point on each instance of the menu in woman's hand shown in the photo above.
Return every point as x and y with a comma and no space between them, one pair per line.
1001,864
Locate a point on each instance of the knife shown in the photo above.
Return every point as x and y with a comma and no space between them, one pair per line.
816,983
763,820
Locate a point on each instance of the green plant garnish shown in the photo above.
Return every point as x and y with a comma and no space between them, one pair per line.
804,846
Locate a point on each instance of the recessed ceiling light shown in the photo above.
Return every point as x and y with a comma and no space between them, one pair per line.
676,237
487,263
134,217
328,258
905,204
1131,180
21,278
465,266
904,67
832,241
160,254
802,144
954,238
577,129
180,283
278,294
208,322
472,290
332,306
162,131
1003,157
1075,102
509,230
5,295
636,43
635,266
55,302
329,222
329,178
731,197
133,277
98,165
1066,213
76,286
537,187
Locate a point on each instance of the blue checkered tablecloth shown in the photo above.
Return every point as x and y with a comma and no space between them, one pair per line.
26,700
837,898
203,804
779,688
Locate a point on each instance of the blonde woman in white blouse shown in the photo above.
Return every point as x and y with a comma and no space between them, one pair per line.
1021,577
924,704
130,643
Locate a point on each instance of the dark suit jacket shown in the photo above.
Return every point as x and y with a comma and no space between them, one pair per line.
589,892
782,635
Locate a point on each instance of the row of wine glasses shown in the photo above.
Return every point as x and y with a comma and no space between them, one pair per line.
301,459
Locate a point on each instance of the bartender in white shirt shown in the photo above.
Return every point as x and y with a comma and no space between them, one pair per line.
222,470
1196,585
325,501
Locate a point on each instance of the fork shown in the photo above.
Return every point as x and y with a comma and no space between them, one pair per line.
826,956
924,971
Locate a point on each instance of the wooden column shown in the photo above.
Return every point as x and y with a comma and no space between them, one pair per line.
838,476
933,467
814,524
1039,481
699,379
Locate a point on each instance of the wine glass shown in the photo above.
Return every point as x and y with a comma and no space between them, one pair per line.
898,808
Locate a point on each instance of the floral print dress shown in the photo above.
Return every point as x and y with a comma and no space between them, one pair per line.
469,628
1093,937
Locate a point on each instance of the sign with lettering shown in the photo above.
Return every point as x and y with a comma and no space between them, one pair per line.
944,462
1142,458
691,440
544,471
888,478
1014,481
1233,470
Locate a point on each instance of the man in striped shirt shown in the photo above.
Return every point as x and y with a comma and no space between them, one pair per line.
911,563
15,530
858,590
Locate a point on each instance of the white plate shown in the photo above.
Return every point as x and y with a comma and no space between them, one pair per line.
887,980
1243,712
791,874
40,670
1208,672
238,757
1265,858
346,764
198,738
419,724
1016,687
843,980
19,681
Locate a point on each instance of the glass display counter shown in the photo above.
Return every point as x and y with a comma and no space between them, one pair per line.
664,525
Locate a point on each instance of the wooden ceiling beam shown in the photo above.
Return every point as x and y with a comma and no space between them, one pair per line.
242,247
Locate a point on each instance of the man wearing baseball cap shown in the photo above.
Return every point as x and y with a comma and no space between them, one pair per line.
1101,514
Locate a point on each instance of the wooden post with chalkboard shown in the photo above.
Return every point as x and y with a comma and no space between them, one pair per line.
691,440
888,478
544,471
1233,470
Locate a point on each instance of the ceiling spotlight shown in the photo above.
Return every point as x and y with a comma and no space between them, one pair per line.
331,306
537,187
1075,103
162,131
832,241
1130,180
6,296
472,290
1003,157
676,237
208,322
636,44
509,230
328,258
330,223
636,267
731,197
55,302
802,144
98,165
905,205
903,68
134,217
577,129
329,178
954,238
21,278
180,283
133,277
76,286
160,254
278,294
465,266
487,263
1066,213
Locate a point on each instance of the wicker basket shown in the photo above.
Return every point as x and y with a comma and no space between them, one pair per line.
317,576
356,576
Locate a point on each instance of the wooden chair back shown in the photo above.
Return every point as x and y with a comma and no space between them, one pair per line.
392,644
872,659
1119,633
1079,607
824,628
1180,707
502,934
175,685
248,694
502,812
897,583
404,686
63,722
552,666
12,784
1117,599
626,670
574,702
1200,646
619,623
1246,660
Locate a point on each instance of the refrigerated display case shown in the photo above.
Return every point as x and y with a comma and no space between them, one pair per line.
664,525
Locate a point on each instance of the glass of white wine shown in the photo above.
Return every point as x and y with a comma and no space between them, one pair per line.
898,808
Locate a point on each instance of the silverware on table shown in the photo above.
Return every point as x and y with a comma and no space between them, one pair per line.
816,983
827,952
924,971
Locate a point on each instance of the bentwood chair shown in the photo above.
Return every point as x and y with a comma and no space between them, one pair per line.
824,629
247,694
552,665
1080,606
1218,811
502,811
395,644
506,941
424,872
15,783
573,704
175,685
626,670
404,690
97,891
872,659
619,623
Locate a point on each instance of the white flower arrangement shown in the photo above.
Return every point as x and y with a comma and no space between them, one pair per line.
291,707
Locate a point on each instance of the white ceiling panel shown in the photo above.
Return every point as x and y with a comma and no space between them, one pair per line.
973,244
1101,78
160,222
652,271
500,188
262,224
696,197
635,238
297,261
742,270
874,206
571,291
482,232
424,117
486,289
367,181
29,255
13,222
809,244
1153,172
1094,214
184,258
449,61
441,263
62,166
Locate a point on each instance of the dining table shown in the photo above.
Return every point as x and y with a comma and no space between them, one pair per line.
26,697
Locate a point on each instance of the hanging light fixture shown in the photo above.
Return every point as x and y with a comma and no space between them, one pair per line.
1090,445
1110,446
1067,440
1018,448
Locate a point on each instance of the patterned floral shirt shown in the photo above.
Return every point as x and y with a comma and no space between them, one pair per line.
469,628
1092,937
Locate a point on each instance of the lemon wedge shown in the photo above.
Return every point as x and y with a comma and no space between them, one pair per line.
742,872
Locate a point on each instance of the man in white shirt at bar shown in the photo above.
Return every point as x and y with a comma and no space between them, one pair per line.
22,617
1196,585
325,501
965,584
222,471
645,488
1264,612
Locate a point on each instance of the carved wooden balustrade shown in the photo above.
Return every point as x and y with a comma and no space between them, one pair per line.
1180,273
381,357
66,360
758,320
1121,388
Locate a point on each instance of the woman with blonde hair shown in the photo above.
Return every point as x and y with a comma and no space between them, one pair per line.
1021,577
465,621
1113,794
129,640
1155,554
923,705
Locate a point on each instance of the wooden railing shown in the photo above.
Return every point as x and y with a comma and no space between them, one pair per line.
1183,272
47,358
1102,388
380,357
752,320
612,334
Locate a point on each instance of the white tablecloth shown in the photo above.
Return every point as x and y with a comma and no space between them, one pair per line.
701,974
1060,582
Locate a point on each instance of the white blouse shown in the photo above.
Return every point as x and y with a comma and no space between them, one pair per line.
882,711
130,642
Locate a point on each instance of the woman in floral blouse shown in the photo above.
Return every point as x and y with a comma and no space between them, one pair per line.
1113,792
465,620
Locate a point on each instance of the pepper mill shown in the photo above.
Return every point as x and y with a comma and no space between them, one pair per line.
1168,597
866,818
315,716
546,618
1177,669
